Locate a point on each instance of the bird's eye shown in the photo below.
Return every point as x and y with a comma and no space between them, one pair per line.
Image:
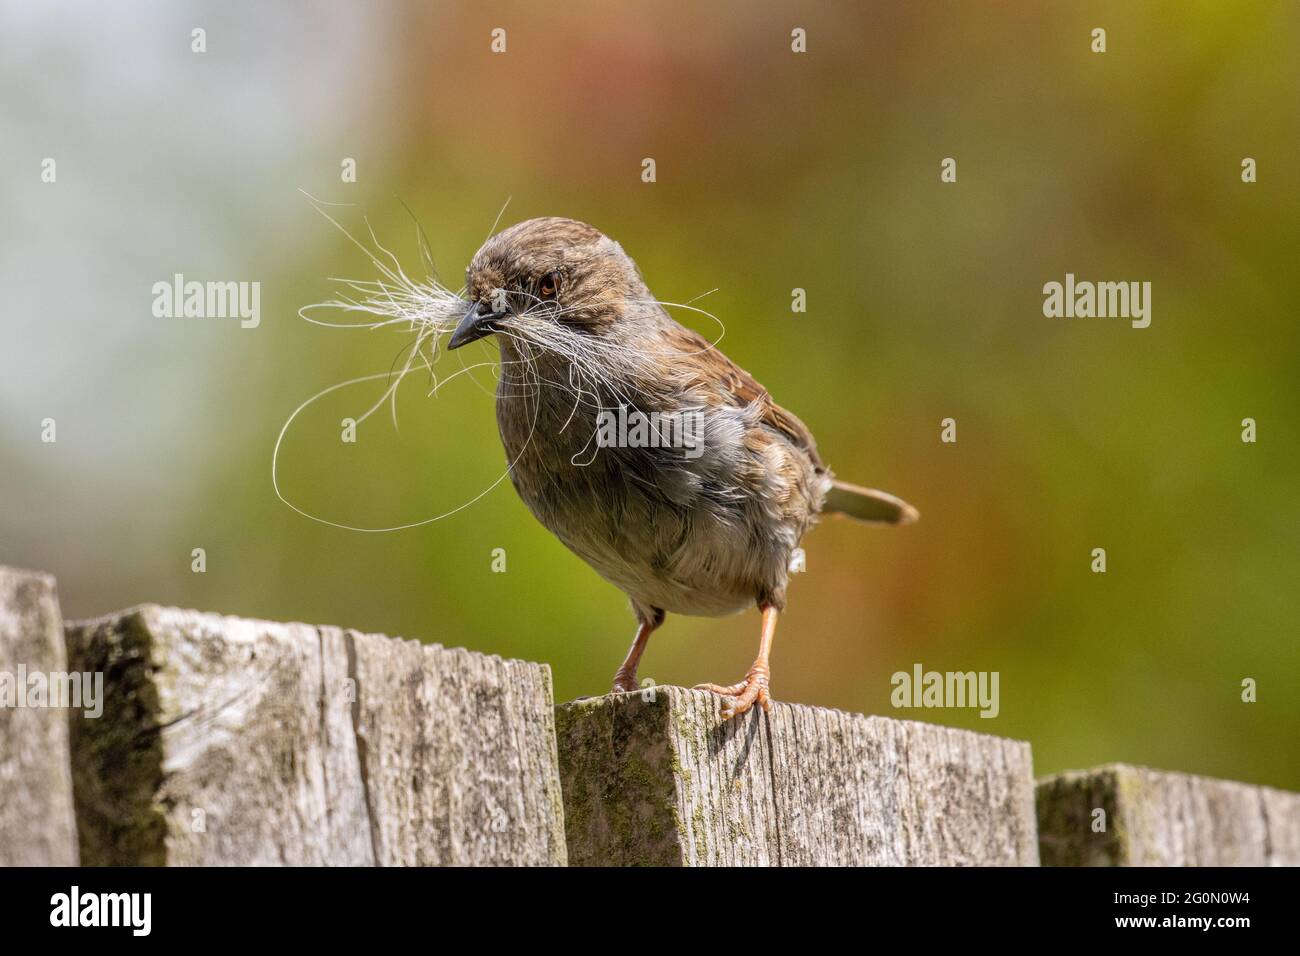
549,287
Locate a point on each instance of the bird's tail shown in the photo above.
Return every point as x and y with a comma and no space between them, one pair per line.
868,504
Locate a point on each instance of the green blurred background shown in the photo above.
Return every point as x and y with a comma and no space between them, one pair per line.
774,171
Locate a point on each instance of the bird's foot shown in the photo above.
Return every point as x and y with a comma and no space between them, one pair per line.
739,698
625,682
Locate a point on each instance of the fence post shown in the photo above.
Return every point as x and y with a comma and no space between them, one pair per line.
231,741
1120,815
37,827
236,742
658,778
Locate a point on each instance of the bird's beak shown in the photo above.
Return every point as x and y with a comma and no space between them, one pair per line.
476,324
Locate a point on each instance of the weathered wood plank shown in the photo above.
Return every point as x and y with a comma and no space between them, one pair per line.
233,742
1158,818
659,779
37,827
459,755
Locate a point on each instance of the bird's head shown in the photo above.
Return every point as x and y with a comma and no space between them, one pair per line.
544,279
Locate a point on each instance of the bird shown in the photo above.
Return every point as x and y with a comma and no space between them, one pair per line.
641,446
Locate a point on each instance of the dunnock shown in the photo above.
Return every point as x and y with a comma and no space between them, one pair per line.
707,485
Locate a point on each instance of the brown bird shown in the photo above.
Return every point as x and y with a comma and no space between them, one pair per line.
644,449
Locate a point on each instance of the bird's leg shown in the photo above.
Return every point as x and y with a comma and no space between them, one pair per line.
743,696
625,678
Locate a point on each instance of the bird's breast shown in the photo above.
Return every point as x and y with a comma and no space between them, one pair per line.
698,530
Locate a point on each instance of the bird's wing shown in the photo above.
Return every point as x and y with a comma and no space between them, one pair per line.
714,370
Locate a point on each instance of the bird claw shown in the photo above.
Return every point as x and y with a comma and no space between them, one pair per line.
743,696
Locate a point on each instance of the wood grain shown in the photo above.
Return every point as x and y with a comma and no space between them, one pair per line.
228,741
657,778
37,827
1157,818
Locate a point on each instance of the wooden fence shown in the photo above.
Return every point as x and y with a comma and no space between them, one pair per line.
219,740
